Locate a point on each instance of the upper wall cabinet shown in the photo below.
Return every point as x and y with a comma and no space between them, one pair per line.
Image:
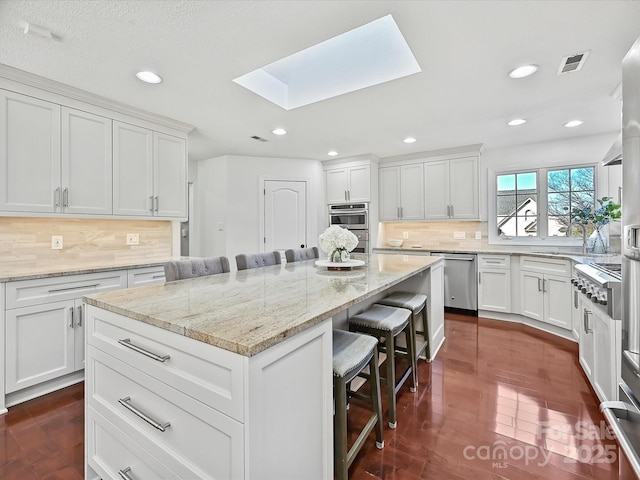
402,192
348,184
29,154
150,172
451,189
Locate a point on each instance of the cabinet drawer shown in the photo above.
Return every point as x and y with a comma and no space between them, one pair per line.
145,276
494,261
545,265
110,451
23,293
210,374
170,424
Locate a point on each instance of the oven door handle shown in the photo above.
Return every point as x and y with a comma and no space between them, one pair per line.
612,411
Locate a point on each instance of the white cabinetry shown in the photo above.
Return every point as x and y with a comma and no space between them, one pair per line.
149,172
545,290
348,184
600,339
137,277
44,326
402,192
29,153
494,283
215,408
451,189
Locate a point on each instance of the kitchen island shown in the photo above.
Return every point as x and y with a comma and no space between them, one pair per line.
229,376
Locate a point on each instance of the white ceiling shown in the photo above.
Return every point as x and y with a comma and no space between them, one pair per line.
462,96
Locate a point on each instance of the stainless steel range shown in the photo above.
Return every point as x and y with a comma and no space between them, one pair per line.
602,284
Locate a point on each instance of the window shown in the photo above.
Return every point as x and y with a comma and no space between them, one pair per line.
537,203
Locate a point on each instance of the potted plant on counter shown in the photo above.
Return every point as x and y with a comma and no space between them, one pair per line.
606,212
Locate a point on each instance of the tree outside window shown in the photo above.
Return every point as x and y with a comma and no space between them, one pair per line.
568,189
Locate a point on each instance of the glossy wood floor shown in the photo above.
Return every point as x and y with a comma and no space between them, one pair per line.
500,402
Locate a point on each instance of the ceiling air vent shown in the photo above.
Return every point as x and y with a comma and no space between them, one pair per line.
260,139
573,63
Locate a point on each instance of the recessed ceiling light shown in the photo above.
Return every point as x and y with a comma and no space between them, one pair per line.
332,153
149,77
409,140
573,123
279,131
523,71
516,121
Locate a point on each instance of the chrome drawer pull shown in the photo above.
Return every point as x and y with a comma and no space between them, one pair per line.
124,473
127,343
65,289
136,411
160,275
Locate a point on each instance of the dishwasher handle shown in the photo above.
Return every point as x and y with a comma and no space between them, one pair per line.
446,256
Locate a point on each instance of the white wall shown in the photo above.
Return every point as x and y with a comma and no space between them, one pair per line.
228,192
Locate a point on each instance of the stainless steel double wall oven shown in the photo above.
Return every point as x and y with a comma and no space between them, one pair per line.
355,218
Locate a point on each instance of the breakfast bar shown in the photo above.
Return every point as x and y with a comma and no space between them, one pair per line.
229,376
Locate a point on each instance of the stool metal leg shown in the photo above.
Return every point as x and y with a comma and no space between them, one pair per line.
410,335
376,399
390,380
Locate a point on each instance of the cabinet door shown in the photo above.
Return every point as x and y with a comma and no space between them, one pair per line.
336,185
389,178
170,175
494,290
29,154
359,184
78,334
531,295
87,167
39,344
557,301
576,314
436,190
586,347
412,192
463,187
604,360
132,170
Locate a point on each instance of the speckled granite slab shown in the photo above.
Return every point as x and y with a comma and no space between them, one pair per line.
249,311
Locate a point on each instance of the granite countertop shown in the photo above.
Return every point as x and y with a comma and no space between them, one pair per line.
576,257
32,270
249,311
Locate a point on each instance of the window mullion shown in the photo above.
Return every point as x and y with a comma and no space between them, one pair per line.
543,204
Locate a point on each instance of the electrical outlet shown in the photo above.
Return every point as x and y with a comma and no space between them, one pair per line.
478,235
405,235
133,239
459,235
56,242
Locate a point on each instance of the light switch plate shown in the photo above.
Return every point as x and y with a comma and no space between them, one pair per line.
133,239
405,235
478,235
459,235
56,242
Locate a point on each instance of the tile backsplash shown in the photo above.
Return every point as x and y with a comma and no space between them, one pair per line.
25,240
436,235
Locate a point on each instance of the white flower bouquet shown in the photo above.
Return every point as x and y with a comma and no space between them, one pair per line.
337,242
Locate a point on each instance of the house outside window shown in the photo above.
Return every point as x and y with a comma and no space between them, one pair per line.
534,205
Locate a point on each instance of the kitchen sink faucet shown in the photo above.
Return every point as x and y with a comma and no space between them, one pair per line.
584,234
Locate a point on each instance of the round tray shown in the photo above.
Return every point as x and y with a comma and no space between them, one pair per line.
346,265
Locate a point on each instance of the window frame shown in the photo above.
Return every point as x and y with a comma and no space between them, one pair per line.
543,238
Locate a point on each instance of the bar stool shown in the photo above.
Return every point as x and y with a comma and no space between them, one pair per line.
353,352
381,321
416,302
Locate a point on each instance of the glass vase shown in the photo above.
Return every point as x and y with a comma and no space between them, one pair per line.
599,242
339,255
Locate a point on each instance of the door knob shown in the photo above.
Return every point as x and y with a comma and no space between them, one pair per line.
302,245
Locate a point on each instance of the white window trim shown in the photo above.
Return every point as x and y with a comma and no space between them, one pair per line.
542,239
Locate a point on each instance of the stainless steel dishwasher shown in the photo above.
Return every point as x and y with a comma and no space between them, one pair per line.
460,285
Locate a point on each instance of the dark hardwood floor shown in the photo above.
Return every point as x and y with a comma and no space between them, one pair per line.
500,402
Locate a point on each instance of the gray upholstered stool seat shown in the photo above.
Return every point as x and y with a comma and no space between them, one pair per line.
301,254
352,352
386,323
195,267
417,303
246,261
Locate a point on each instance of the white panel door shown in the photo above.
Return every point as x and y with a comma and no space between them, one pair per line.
412,192
336,185
436,190
29,154
587,344
389,186
285,215
170,175
359,184
463,187
132,170
531,296
604,361
39,344
494,290
557,301
87,164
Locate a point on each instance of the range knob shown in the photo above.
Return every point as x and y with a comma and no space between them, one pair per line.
583,289
594,299
591,296
603,301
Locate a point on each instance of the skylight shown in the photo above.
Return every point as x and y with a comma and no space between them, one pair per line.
365,56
